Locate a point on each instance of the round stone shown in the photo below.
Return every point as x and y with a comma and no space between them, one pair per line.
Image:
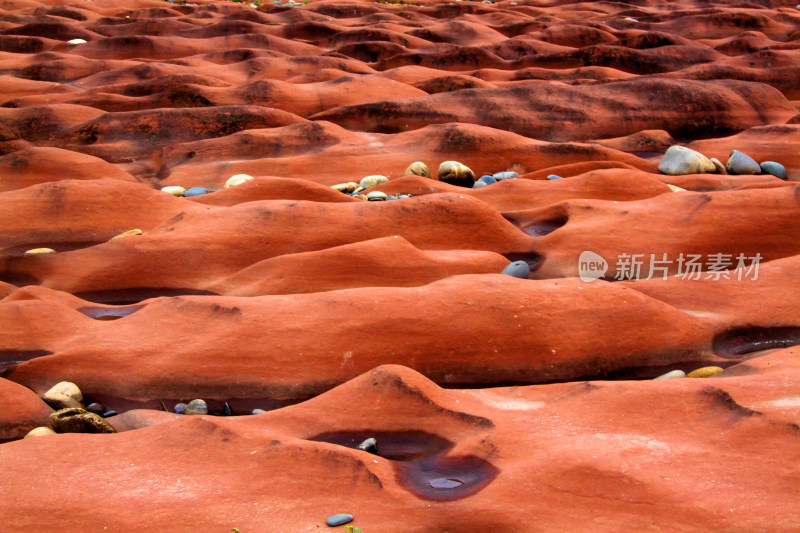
672,374
719,166
129,233
554,177
339,520
518,269
376,196
372,181
705,372
174,190
418,168
41,431
773,168
180,408
195,191
507,175
456,173
479,184
237,179
40,251
196,407
346,188
75,420
741,163
62,395
370,445
96,408
109,413
257,411
487,179
680,160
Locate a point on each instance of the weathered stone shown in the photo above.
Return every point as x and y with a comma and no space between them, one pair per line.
40,251
773,168
372,181
741,163
41,431
257,411
174,190
346,188
339,520
196,407
672,374
418,168
370,445
456,173
75,420
681,160
96,408
237,179
376,196
705,372
719,166
518,269
62,395
129,233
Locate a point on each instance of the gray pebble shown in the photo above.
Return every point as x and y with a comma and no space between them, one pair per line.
488,180
672,374
741,163
369,445
196,407
776,169
518,269
479,184
109,413
554,177
96,408
339,520
180,408
257,411
195,191
507,175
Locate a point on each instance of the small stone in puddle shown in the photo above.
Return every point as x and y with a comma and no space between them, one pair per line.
518,269
705,372
62,395
196,407
75,420
96,408
370,445
339,519
672,374
180,408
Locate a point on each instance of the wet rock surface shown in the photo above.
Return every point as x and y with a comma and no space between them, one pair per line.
447,254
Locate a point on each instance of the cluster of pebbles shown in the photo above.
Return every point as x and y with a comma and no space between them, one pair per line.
679,160
233,181
71,416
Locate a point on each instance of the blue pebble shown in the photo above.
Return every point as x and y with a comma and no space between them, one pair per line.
507,175
488,180
478,184
109,413
518,269
554,177
339,520
180,408
195,191
776,169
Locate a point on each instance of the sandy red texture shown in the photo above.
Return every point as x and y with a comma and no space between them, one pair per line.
499,402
